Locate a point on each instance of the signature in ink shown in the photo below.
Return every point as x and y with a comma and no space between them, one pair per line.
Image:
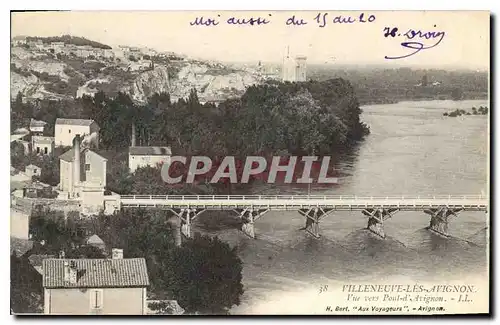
416,40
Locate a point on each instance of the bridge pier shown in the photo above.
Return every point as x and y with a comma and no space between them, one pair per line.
376,218
185,217
249,216
439,219
313,216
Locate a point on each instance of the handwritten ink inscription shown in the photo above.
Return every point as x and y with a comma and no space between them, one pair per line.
416,40
211,21
321,20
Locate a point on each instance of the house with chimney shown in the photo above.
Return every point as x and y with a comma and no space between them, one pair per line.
83,175
66,129
116,286
142,156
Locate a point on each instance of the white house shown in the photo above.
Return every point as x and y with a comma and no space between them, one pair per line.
114,286
37,127
66,130
148,156
42,145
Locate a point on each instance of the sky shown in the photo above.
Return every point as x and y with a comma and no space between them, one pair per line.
465,43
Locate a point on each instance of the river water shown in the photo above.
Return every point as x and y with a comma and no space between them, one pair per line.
412,150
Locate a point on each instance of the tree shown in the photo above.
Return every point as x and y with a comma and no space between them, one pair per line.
25,286
457,94
204,275
85,251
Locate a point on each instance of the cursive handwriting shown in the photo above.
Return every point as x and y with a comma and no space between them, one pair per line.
416,40
209,21
200,21
322,19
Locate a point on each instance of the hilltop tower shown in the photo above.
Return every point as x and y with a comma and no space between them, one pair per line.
301,68
294,69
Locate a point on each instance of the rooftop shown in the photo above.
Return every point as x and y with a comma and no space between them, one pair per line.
70,121
97,273
150,151
94,239
37,259
41,138
36,123
69,155
20,246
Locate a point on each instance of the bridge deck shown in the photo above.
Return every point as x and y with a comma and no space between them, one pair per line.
295,202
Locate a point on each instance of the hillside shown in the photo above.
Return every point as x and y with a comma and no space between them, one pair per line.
39,72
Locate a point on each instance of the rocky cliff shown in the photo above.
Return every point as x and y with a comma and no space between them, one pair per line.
38,75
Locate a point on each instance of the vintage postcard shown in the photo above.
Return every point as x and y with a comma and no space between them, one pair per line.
250,163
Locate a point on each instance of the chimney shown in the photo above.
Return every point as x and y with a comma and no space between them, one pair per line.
133,135
76,163
117,253
70,272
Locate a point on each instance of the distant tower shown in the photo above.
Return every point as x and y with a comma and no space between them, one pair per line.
301,68
294,69
288,67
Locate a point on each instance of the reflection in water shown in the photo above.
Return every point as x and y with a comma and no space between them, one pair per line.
412,150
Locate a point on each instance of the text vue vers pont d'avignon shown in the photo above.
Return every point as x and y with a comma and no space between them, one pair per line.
413,38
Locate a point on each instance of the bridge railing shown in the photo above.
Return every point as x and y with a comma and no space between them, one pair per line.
301,197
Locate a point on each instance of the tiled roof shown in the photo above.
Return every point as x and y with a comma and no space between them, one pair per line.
71,121
150,151
97,273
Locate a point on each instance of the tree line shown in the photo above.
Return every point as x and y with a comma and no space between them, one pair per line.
286,118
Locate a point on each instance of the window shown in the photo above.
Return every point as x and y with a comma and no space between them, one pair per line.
95,299
37,149
46,150
34,170
69,131
87,167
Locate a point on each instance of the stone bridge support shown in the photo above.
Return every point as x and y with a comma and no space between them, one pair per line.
439,219
313,216
249,216
185,216
376,218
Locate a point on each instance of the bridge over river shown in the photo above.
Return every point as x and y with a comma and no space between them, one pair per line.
313,207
